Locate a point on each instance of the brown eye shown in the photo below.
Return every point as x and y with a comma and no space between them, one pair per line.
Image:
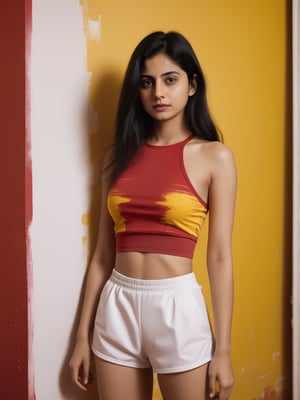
171,80
145,83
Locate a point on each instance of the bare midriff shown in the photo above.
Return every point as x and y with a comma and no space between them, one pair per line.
152,266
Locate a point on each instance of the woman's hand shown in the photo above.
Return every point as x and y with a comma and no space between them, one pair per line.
220,370
80,364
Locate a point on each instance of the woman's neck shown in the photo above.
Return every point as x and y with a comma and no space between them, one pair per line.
166,132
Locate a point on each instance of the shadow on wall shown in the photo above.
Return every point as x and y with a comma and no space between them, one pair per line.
103,101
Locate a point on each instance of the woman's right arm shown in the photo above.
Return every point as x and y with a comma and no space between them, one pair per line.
99,271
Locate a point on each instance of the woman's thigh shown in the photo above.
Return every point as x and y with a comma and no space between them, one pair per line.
118,382
188,385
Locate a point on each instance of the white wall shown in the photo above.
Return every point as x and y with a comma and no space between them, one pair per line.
60,117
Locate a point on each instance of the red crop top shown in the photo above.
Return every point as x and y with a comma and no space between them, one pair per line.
154,206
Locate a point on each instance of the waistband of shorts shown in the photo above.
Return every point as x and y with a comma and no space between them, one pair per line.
152,284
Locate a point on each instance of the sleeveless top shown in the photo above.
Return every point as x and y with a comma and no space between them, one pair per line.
153,204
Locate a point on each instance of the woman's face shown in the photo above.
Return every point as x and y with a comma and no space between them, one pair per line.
164,88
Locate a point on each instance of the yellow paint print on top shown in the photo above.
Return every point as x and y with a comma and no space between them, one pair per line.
177,204
119,220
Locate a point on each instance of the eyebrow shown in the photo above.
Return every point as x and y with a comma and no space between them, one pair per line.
164,74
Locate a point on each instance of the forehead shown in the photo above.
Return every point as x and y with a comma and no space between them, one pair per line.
160,64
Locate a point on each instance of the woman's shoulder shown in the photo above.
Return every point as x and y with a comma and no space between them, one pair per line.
213,150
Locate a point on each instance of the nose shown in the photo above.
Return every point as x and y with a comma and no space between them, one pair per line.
158,90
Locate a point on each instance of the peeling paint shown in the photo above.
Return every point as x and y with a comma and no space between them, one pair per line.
260,381
85,219
276,355
84,239
273,392
92,28
279,384
270,394
264,374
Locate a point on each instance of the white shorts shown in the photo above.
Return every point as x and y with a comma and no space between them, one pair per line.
161,324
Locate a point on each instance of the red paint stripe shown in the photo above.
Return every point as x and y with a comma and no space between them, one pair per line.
13,282
28,193
28,170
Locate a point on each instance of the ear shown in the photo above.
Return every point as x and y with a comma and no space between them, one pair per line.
193,85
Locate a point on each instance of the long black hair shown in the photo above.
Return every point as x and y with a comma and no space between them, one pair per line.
133,125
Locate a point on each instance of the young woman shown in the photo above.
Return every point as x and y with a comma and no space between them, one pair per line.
167,168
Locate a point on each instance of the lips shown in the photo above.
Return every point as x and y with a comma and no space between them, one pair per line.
161,106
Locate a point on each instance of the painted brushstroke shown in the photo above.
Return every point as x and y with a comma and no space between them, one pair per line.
92,33
28,196
92,29
84,238
91,18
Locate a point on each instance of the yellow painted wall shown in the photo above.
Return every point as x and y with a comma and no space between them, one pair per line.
242,46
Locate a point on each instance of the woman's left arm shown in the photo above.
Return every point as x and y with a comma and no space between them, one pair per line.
222,193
